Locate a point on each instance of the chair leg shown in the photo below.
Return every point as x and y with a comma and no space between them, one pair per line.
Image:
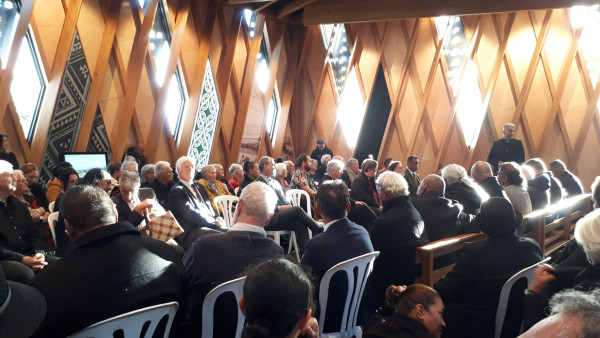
295,244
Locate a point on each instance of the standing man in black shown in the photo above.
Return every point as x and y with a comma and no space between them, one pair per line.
320,150
506,149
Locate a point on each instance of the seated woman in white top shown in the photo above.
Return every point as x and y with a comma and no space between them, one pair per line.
514,184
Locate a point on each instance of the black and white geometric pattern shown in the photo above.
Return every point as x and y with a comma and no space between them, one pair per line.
99,138
69,109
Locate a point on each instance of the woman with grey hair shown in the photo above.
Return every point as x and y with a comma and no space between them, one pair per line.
513,182
147,175
213,187
460,187
280,175
129,206
237,175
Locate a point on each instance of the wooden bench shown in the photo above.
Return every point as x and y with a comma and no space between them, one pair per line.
550,233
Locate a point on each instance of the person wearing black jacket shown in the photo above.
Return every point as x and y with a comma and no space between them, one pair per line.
481,172
363,186
570,183
320,150
460,187
506,149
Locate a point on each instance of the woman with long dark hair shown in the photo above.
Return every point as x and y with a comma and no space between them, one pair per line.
5,154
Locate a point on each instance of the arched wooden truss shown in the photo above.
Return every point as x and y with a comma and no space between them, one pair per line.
532,71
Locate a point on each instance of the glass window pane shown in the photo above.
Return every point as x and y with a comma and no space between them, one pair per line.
9,16
456,50
339,58
160,41
250,19
272,119
27,86
470,109
326,32
175,103
262,73
143,5
351,110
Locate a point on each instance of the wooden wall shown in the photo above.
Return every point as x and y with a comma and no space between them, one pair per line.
532,71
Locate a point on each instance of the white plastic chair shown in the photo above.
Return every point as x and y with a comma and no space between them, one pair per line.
237,287
526,273
52,219
364,266
295,197
132,323
225,203
292,241
51,207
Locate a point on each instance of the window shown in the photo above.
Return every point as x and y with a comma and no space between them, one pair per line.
455,47
262,73
143,5
250,18
160,41
206,120
28,85
326,33
175,103
351,110
272,117
469,108
339,57
588,18
9,16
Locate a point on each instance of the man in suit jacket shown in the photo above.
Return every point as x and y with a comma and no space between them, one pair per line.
506,149
363,187
470,291
286,216
410,174
481,172
341,240
231,254
569,182
189,203
110,268
443,217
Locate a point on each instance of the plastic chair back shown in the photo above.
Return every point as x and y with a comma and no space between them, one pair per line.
295,197
225,203
526,273
133,323
237,287
51,207
292,243
52,219
363,265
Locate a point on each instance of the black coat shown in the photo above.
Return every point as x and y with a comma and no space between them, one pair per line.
470,291
363,189
318,153
491,186
465,195
443,217
108,271
556,191
19,236
570,183
506,151
395,234
538,189
125,213
162,192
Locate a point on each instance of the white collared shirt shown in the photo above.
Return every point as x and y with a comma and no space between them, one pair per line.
189,186
326,226
248,227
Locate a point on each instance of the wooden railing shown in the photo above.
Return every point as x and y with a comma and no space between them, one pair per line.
551,227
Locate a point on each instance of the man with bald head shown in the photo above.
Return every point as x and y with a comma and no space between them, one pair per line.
443,217
481,172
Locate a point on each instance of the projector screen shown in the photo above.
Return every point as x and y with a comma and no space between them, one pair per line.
83,162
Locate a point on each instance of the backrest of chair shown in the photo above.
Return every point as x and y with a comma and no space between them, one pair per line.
295,197
237,287
51,207
363,265
225,203
133,323
526,273
52,219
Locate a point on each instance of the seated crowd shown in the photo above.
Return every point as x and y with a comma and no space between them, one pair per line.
105,262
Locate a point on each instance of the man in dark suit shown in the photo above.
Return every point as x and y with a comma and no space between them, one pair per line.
569,182
318,176
471,289
395,234
363,187
110,268
231,254
410,174
443,217
189,203
341,240
163,182
481,172
506,149
286,216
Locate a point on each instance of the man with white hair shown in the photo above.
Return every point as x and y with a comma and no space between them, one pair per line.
189,203
352,169
245,244
322,168
20,242
506,149
163,182
396,233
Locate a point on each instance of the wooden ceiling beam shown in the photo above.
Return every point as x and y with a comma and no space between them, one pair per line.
239,2
337,11
292,7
